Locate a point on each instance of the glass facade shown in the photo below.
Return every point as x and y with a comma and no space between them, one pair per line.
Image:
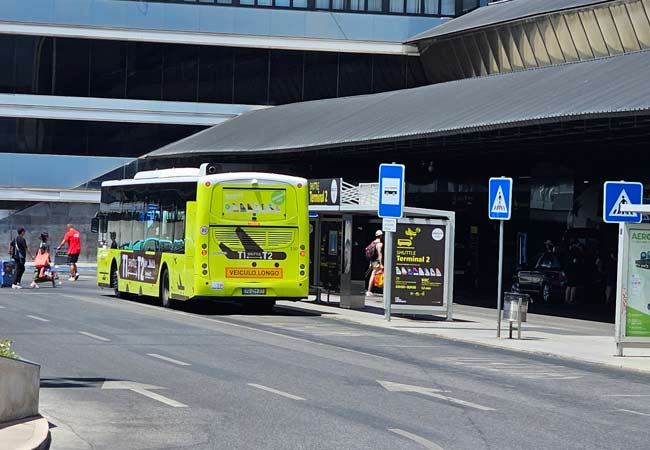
445,8
75,137
176,72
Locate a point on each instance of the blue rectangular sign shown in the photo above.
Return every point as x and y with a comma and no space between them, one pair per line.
391,190
618,193
500,198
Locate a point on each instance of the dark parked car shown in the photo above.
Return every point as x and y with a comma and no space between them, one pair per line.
547,281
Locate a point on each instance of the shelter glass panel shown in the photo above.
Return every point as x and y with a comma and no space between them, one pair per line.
108,69
321,74
216,66
572,37
595,36
537,44
286,77
251,76
431,7
550,40
144,77
180,72
624,28
640,23
608,28
414,6
355,74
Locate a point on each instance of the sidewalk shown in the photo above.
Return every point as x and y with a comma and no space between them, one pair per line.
571,339
26,434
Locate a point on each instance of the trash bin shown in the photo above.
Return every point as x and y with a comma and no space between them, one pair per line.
515,309
8,273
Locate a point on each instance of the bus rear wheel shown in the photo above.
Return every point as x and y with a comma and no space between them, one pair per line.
165,297
114,282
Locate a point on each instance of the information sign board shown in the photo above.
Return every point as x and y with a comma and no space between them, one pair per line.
419,270
325,191
391,190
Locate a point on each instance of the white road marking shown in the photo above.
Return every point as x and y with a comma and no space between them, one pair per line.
275,391
633,412
38,318
2,307
430,392
143,389
627,395
171,360
521,369
94,336
415,438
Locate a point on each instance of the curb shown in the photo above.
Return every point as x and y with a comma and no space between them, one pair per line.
567,358
40,438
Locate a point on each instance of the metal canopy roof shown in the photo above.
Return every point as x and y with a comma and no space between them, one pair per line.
501,12
605,87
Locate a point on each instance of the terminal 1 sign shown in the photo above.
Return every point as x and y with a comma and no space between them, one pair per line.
419,258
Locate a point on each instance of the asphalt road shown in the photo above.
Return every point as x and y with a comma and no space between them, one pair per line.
124,374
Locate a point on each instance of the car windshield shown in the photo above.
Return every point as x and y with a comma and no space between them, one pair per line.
549,261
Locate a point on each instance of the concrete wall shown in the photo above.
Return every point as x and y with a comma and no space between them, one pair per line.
53,218
19,385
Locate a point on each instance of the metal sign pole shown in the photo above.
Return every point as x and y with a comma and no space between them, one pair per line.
620,308
499,281
388,273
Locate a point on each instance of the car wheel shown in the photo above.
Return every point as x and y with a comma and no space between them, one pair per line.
546,293
165,297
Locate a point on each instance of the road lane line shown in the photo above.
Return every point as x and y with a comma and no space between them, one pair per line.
415,438
38,318
160,398
275,391
633,412
171,360
2,307
94,336
627,395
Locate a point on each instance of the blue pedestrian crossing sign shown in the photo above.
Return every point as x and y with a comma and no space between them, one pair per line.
617,194
500,198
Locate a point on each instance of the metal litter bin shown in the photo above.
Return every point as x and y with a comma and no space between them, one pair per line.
515,309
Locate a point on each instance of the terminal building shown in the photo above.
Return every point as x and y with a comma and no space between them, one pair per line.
551,93
86,87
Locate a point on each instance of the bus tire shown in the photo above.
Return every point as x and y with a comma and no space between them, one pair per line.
114,281
165,297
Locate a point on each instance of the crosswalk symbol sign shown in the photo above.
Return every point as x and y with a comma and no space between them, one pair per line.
617,194
500,198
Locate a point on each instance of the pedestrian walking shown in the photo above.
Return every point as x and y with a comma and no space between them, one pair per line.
73,239
18,250
375,257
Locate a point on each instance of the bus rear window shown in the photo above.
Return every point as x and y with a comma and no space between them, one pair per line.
262,204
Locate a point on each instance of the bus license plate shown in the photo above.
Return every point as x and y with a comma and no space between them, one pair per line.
253,291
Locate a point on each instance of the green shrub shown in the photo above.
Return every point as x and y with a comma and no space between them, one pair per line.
5,349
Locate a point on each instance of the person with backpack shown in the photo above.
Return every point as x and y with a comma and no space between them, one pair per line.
375,258
18,250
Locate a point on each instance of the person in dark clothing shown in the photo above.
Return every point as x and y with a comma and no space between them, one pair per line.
19,254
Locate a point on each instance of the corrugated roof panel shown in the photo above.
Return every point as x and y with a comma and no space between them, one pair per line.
593,88
504,11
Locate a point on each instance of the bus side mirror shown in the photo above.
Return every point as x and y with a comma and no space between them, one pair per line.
94,225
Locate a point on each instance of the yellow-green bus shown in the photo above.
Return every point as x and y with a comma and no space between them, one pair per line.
179,234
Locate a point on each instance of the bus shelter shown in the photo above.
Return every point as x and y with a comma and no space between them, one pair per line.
418,256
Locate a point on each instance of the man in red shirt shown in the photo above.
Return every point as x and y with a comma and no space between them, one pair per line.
73,238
